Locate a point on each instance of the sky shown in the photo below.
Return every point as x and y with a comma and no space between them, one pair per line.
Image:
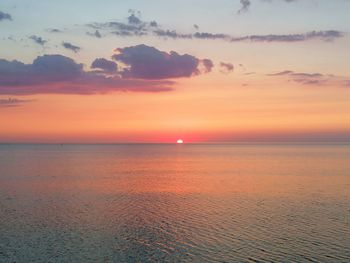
89,71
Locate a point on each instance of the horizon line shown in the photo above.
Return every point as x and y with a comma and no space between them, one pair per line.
174,143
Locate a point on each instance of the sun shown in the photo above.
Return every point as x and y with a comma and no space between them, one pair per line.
179,141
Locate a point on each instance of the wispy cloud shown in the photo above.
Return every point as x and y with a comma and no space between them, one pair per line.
134,26
12,102
302,78
245,4
318,79
327,35
296,74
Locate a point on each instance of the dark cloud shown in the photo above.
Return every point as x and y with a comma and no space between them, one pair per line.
123,33
133,19
5,16
144,62
153,24
12,102
44,69
244,6
58,74
70,46
126,29
104,64
95,34
226,67
206,65
54,30
38,40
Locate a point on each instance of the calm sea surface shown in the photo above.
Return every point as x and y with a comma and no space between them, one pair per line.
174,203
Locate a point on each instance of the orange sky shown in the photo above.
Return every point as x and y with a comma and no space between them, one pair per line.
198,110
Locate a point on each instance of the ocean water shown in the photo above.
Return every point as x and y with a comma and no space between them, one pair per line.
174,203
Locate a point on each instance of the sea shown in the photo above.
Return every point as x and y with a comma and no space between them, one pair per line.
175,203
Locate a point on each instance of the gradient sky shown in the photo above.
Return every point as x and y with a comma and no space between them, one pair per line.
155,71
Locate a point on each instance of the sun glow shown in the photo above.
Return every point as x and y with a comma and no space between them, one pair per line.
179,141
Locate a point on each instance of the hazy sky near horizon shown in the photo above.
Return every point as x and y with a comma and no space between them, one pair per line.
156,71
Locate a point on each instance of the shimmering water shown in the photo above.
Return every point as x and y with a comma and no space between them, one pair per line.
174,203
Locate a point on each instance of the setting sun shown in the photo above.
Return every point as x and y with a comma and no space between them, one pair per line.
179,141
